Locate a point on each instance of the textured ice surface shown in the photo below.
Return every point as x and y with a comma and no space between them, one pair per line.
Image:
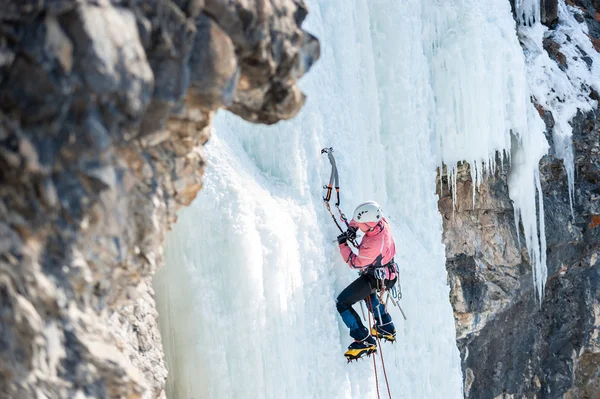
247,298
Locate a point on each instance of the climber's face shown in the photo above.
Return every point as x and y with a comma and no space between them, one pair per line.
364,227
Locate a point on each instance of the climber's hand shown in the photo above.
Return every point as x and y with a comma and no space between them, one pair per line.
342,238
351,233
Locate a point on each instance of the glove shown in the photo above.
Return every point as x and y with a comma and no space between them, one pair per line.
342,238
351,233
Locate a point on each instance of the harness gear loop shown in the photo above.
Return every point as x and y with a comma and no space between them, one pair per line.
396,295
395,302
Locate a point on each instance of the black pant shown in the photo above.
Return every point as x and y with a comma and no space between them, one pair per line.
358,290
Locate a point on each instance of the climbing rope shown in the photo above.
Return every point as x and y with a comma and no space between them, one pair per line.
368,299
381,290
387,384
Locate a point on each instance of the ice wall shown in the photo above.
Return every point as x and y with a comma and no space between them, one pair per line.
247,296
563,86
483,108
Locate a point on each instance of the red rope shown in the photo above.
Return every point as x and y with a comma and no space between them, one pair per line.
368,300
387,384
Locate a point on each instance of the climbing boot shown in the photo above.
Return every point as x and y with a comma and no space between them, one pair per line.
386,332
358,349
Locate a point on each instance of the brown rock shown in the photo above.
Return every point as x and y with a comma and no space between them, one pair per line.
214,66
549,11
97,154
596,43
553,50
270,64
511,345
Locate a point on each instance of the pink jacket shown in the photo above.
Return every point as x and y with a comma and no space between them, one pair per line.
377,248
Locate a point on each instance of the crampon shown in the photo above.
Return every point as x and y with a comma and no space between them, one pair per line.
381,334
355,354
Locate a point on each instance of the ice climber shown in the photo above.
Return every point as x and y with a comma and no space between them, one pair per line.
375,262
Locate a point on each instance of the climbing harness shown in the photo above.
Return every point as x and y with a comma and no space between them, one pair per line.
396,295
334,178
380,273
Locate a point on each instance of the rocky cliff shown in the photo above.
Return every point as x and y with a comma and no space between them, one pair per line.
511,345
104,108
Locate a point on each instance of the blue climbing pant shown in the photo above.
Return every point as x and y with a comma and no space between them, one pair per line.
360,289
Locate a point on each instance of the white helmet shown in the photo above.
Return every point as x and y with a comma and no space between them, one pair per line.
368,212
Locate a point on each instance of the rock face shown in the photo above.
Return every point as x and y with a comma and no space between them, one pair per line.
511,345
104,108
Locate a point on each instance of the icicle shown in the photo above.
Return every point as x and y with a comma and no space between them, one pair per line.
441,174
454,173
528,11
524,185
475,181
517,217
543,271
563,145
562,92
473,196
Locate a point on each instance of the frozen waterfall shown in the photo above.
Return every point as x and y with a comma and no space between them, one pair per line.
246,300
